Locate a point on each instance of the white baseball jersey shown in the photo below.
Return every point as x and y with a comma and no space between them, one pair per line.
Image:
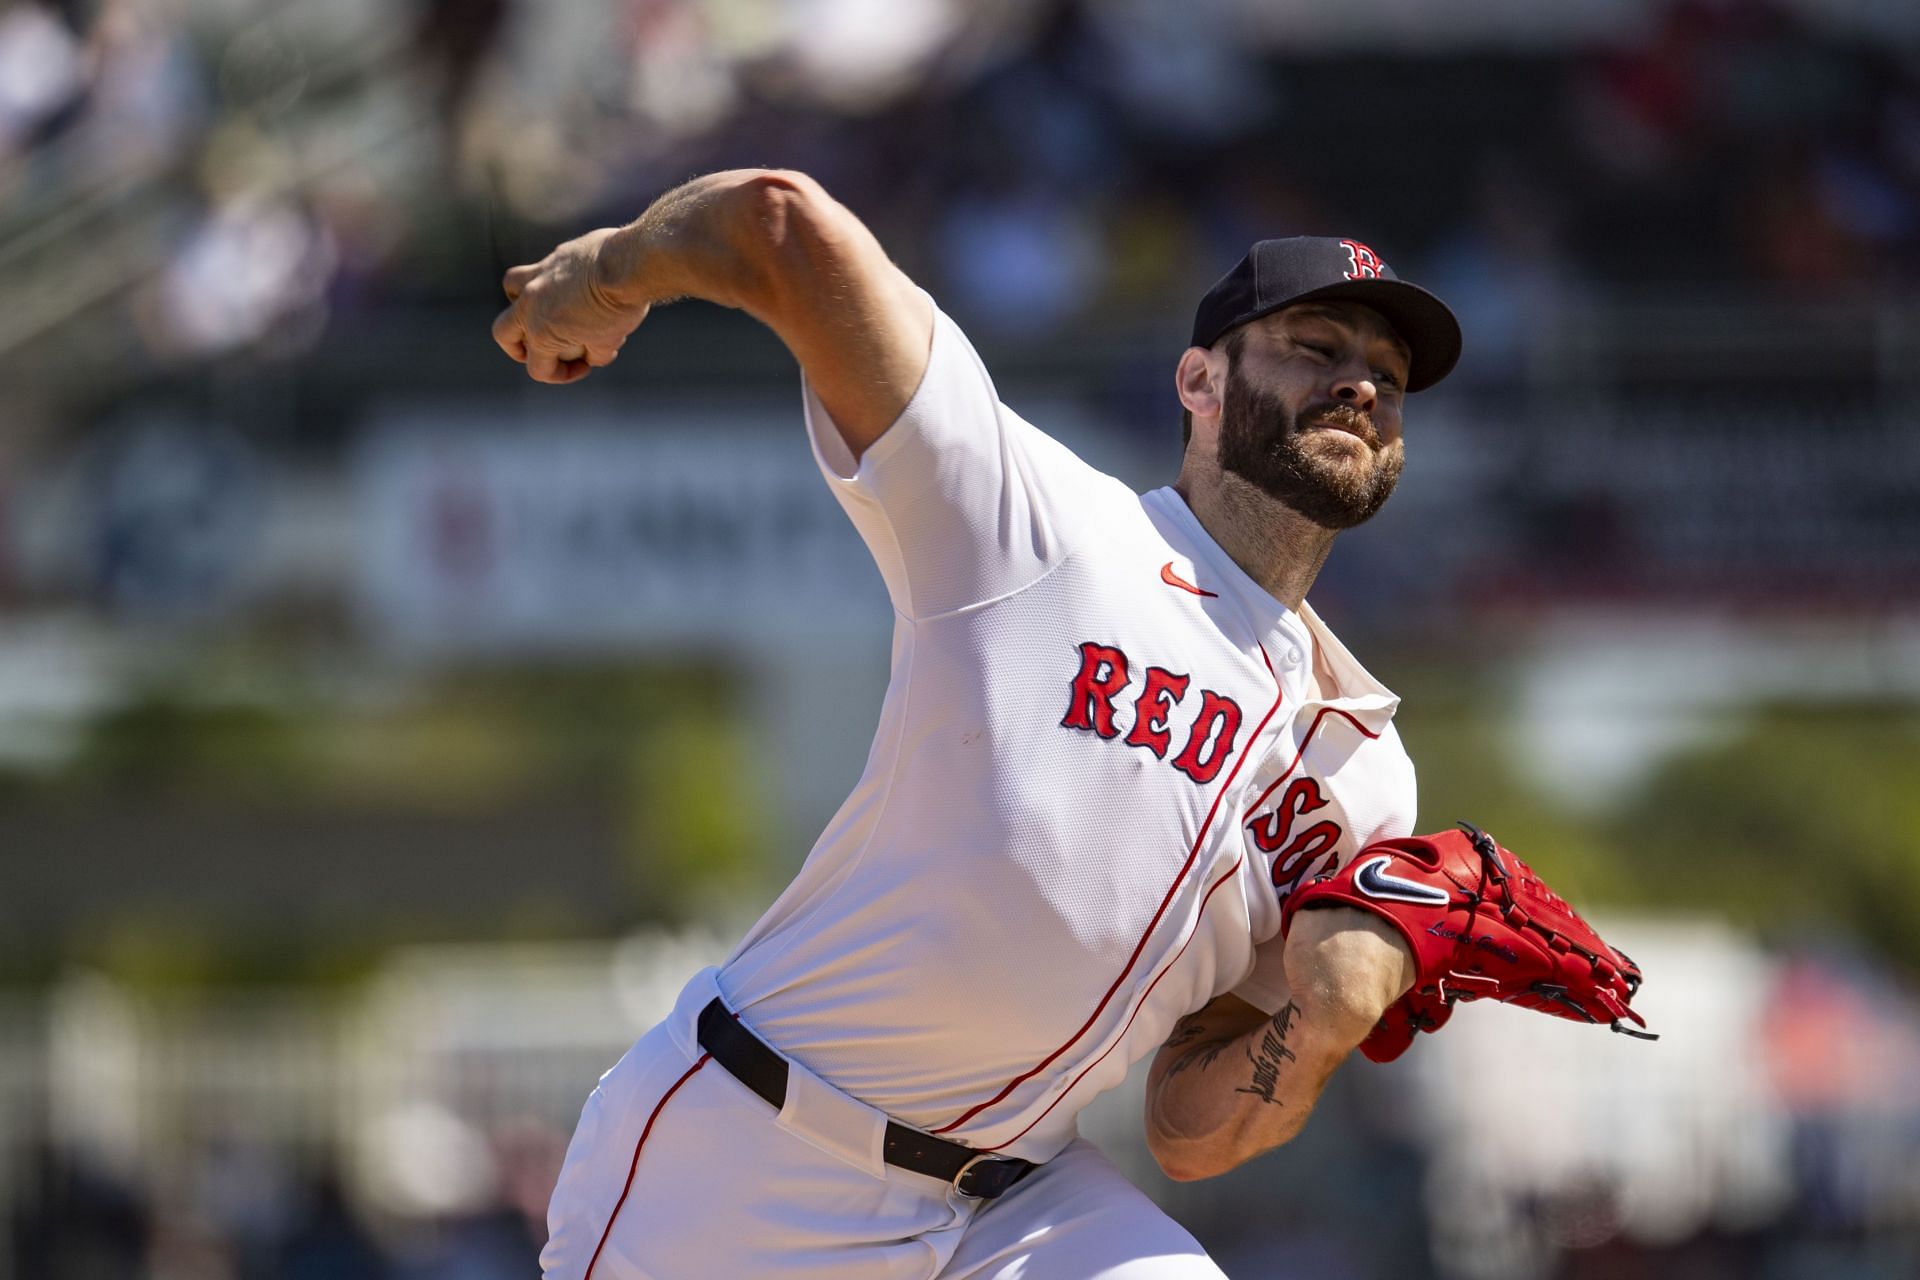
1097,771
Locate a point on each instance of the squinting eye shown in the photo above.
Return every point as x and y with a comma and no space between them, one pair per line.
1325,353
1386,379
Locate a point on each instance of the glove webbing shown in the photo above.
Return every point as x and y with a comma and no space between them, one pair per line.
1491,868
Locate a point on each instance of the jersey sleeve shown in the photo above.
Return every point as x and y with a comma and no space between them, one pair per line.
961,501
1391,817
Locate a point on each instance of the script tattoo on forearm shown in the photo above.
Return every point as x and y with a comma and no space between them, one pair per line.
1267,1056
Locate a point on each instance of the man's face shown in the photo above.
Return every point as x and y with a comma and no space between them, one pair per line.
1311,411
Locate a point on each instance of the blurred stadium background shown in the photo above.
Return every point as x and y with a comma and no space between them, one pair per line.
383,737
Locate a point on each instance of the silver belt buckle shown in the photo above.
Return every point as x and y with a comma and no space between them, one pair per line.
989,1158
960,1178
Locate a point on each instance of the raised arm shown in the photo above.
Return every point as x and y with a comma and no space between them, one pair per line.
771,243
1232,1082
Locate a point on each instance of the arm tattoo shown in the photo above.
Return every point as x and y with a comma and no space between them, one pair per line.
1270,1053
1189,1030
1193,1032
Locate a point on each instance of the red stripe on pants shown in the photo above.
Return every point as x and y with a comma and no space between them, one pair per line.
657,1107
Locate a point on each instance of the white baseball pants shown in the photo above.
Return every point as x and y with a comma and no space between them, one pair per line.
678,1171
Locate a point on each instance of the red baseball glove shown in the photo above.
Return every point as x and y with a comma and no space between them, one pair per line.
1482,926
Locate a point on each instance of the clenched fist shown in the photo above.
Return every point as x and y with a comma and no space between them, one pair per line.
564,322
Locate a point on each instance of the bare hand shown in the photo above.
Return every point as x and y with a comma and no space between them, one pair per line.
1346,968
562,323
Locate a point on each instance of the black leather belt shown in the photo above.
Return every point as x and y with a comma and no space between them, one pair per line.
756,1065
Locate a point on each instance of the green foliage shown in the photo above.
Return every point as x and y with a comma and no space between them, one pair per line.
539,789
1805,822
1809,821
1460,750
165,742
697,825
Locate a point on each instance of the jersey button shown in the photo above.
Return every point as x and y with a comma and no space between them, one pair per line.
1293,657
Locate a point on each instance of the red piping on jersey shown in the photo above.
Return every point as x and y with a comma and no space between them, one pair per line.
611,1218
1301,753
1152,924
1231,872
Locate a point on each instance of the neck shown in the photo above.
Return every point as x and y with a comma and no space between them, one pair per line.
1275,545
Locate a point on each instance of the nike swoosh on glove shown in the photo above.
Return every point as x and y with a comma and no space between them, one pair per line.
1482,926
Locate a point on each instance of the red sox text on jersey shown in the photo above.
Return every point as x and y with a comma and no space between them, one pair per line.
1105,671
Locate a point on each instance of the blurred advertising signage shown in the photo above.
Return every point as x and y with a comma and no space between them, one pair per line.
604,534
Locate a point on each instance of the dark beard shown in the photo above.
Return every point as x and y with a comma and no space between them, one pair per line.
1263,444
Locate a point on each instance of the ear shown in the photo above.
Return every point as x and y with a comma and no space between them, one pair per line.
1200,381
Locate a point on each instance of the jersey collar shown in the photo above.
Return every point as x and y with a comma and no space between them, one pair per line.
1277,627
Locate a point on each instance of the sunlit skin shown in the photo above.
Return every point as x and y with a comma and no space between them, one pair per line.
1327,379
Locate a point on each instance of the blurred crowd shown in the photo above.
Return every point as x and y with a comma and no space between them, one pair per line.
249,1213
246,170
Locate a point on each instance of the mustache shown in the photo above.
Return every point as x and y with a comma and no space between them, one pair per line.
1334,413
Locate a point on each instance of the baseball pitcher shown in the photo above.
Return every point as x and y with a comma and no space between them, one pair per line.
1128,796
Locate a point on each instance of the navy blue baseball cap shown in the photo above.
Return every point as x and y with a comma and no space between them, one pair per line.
1279,273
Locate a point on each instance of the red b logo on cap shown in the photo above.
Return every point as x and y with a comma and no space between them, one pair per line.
1366,263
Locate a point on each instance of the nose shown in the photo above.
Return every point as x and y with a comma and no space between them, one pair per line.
1357,389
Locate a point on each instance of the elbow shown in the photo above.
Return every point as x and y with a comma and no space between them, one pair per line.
1183,1157
786,230
1182,1166
779,202
1195,1159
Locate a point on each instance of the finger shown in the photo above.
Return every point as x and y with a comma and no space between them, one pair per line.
543,365
601,357
574,363
515,281
509,335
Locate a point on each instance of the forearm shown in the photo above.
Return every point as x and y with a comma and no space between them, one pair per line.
1221,1099
768,242
1231,1083
715,238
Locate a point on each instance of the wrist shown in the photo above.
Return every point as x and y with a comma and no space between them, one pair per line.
616,275
1347,968
1334,1019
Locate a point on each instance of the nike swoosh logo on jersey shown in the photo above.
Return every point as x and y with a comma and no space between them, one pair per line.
1172,579
1372,879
